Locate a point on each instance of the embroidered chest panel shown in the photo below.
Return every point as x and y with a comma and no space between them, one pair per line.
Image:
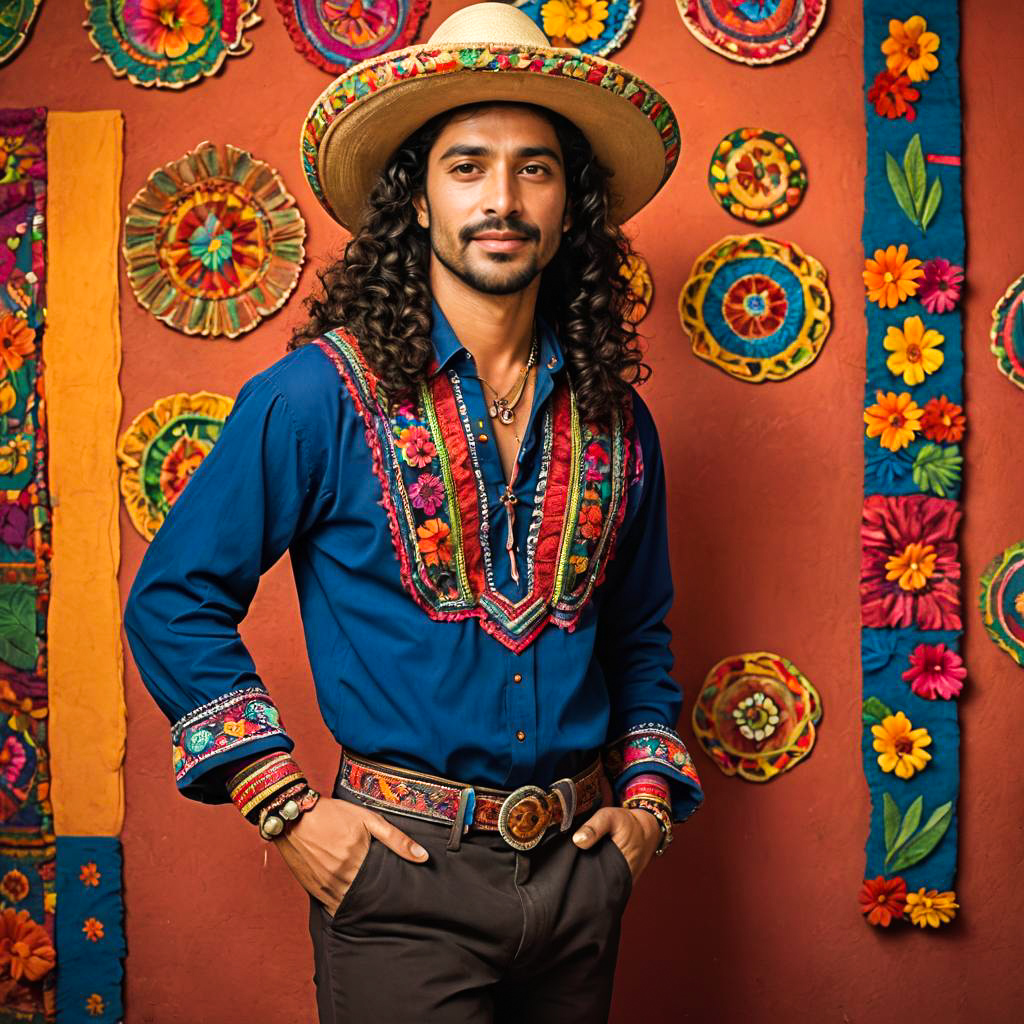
425,457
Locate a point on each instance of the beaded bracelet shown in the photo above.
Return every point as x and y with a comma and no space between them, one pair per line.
661,812
257,783
272,824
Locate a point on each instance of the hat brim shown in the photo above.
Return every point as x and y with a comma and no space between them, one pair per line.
360,119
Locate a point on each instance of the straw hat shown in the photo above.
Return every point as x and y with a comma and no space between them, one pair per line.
487,51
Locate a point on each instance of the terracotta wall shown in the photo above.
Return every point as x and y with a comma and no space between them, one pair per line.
753,916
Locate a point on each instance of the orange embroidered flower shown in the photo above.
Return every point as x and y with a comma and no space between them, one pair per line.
890,277
235,728
910,48
168,26
14,886
893,96
943,420
17,342
93,928
913,567
94,1005
894,419
591,518
882,899
90,874
25,948
434,542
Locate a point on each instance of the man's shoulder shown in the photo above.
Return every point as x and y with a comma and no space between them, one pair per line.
305,378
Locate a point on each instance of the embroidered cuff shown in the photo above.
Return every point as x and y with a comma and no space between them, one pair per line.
652,747
238,723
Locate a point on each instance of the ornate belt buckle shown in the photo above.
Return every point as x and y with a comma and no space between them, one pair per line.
523,817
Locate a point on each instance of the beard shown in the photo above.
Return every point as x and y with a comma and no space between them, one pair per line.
491,281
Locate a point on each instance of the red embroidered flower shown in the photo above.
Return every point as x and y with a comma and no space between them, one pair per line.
416,446
591,515
755,306
14,886
935,672
893,96
914,533
883,899
943,420
93,928
427,493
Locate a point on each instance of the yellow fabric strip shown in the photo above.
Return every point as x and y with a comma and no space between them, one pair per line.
82,358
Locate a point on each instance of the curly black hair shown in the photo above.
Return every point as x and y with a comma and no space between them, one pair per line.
379,290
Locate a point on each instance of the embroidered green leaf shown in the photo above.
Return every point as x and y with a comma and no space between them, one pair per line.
910,822
931,204
18,643
899,186
874,711
917,848
891,813
913,167
937,468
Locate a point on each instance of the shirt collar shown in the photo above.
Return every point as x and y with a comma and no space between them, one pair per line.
450,351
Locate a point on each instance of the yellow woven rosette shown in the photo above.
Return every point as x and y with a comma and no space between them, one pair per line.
213,242
757,308
637,273
756,715
162,448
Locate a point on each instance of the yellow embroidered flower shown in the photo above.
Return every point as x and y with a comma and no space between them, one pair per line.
931,907
900,746
890,277
893,419
8,397
914,567
915,351
574,20
910,49
94,1005
14,455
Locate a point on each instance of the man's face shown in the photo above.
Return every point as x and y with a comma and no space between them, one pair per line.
495,199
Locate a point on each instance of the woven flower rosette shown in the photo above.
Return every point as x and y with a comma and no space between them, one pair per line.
1008,333
335,34
162,448
753,31
1002,600
213,242
756,715
598,27
757,308
169,43
637,273
757,175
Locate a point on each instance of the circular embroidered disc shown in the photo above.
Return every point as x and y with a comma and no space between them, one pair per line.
163,448
213,242
335,34
757,308
16,17
1002,601
753,31
598,27
169,43
641,286
1008,332
757,175
756,715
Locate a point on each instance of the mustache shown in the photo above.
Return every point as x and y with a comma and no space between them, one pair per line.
520,227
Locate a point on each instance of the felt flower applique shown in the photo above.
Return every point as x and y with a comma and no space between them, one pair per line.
910,48
915,350
940,285
935,671
574,20
882,899
893,96
900,746
93,928
913,567
893,419
891,277
931,908
943,420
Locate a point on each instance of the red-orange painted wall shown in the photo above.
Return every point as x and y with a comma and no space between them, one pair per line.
753,916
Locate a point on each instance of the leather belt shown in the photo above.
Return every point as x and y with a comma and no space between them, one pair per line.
520,816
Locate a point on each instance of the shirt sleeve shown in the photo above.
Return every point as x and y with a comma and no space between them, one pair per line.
633,640
243,506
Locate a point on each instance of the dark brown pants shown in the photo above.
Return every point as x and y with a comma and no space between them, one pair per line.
477,935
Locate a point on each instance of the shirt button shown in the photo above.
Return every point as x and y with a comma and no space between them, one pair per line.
517,678
482,438
520,735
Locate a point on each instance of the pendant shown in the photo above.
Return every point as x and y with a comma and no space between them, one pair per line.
508,499
506,415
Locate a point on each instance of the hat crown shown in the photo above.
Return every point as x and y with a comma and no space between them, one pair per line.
490,22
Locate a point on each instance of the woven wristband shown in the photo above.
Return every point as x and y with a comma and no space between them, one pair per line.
663,815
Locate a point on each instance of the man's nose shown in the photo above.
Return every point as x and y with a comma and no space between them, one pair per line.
502,196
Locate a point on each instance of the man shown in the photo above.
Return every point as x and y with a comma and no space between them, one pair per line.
460,399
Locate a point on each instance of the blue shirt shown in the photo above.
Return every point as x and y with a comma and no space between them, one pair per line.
293,471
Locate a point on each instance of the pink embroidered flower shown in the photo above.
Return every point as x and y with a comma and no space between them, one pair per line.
915,532
939,288
935,672
427,493
12,760
597,462
416,446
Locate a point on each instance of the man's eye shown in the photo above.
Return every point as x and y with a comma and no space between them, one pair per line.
464,167
536,167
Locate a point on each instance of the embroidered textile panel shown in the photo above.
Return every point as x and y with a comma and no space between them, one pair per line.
913,238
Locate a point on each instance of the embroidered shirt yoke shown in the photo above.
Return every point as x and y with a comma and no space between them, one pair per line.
426,652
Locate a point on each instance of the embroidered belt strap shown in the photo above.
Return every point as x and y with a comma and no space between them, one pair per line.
520,816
